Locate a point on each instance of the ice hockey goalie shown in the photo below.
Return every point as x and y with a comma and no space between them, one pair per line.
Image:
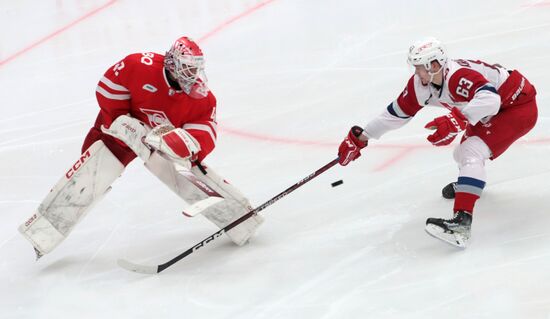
158,108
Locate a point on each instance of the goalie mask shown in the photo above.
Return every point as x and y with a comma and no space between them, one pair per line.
185,63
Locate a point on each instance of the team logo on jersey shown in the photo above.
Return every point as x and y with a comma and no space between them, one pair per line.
155,117
150,88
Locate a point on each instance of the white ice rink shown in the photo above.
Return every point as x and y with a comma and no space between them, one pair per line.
291,77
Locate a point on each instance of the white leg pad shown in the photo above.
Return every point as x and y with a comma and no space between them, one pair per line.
41,233
229,210
84,184
209,194
235,206
179,179
200,206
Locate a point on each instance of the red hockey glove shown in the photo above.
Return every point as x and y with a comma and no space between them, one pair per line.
447,127
350,148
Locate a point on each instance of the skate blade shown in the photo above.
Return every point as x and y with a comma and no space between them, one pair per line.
453,239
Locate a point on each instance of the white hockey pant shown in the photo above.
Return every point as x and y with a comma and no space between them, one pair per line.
195,188
84,184
470,157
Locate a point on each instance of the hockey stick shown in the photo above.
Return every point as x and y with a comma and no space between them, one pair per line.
145,269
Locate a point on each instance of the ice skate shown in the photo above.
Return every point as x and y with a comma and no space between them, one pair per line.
448,191
455,231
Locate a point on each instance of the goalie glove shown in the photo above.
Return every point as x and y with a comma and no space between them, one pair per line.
177,143
447,127
131,132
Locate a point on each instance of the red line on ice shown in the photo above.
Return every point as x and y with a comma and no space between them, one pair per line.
55,33
398,156
275,139
401,150
404,149
232,20
537,4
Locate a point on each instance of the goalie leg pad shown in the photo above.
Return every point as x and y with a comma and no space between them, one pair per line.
229,210
84,184
232,208
200,206
209,194
179,179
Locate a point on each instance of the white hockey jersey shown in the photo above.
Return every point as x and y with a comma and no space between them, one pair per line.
471,86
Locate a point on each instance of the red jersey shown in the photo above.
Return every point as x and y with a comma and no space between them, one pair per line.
138,86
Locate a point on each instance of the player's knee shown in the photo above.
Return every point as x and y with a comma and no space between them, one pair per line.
473,151
93,135
122,152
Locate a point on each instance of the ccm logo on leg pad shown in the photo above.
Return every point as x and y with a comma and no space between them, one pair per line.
77,165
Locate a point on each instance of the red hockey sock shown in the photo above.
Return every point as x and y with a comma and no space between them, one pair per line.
465,202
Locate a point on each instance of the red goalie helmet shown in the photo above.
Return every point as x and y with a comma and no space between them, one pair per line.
185,62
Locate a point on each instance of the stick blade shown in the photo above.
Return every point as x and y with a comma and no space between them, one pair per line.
141,269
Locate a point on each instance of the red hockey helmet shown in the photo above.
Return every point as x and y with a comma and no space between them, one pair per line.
185,62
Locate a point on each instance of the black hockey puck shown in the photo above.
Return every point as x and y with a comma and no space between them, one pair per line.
340,182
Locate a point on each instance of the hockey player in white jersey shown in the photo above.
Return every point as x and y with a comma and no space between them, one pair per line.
491,105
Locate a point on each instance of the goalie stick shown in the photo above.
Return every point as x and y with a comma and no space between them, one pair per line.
146,269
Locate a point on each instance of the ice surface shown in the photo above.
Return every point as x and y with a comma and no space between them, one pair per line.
291,77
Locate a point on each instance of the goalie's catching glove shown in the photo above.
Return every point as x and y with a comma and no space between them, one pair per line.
177,143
